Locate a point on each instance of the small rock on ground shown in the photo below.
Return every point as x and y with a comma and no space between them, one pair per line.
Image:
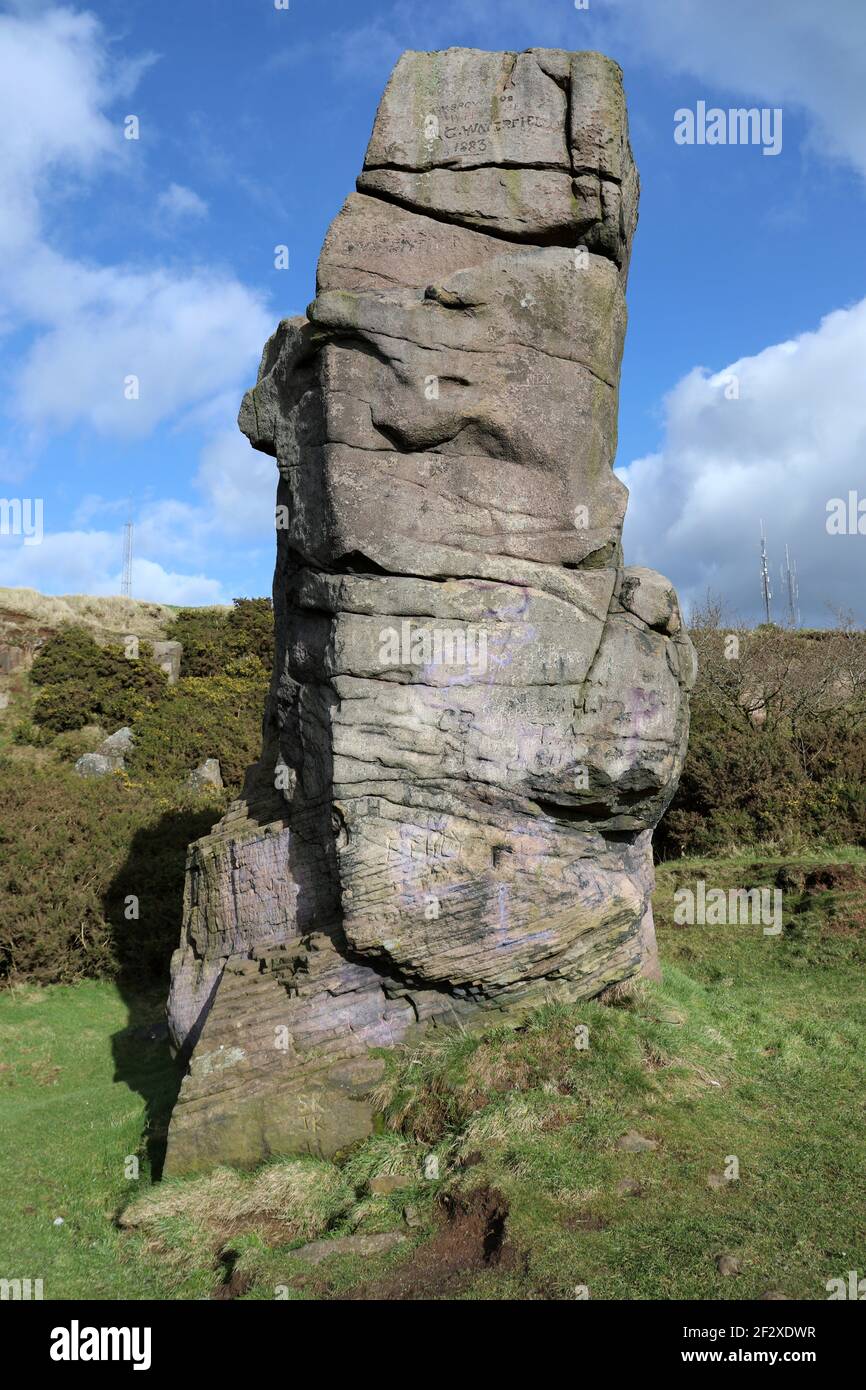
387,1183
634,1143
377,1244
96,765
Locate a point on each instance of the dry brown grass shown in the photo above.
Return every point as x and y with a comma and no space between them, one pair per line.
108,618
285,1202
288,1191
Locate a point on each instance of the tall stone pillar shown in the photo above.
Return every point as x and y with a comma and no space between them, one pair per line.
478,713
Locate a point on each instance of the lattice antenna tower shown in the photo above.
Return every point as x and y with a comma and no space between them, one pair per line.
766,591
792,589
126,582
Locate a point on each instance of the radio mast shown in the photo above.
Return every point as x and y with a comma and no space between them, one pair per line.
765,576
792,590
126,581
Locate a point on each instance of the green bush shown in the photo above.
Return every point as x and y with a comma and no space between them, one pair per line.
214,711
212,638
250,627
73,853
64,656
204,717
26,734
78,682
66,706
777,750
202,634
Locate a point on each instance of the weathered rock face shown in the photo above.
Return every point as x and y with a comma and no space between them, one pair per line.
110,756
477,714
167,656
208,774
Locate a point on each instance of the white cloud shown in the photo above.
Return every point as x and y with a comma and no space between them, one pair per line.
150,581
191,338
187,336
237,487
89,562
794,53
240,486
794,439
177,202
53,83
94,505
235,517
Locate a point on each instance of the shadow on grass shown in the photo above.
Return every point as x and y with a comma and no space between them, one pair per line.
150,884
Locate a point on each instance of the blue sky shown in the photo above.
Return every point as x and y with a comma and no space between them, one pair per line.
155,258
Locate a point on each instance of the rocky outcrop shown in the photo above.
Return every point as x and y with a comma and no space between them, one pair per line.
206,775
110,756
168,656
478,714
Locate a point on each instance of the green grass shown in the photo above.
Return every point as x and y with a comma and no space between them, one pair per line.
68,1125
759,854
753,1047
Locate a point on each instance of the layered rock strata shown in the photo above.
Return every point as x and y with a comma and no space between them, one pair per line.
477,713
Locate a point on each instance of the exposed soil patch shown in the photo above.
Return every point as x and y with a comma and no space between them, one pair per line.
472,1237
234,1282
832,876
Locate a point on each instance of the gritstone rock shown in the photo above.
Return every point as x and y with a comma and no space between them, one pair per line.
478,713
167,656
110,756
208,774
